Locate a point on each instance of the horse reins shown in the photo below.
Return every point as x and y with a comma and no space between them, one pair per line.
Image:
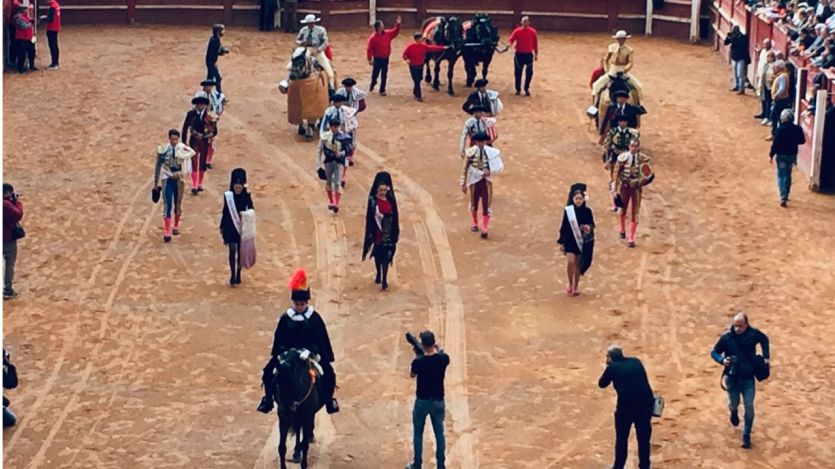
296,404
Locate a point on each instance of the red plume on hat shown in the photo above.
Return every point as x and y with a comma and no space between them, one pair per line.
298,286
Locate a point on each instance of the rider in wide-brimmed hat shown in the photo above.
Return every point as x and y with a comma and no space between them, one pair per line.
618,59
315,39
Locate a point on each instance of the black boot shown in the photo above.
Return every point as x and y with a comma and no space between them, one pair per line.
266,405
332,406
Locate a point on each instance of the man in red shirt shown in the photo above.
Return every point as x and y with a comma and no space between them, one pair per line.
415,57
53,26
12,214
23,34
524,40
378,52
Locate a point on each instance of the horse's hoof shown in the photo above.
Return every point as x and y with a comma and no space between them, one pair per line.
451,93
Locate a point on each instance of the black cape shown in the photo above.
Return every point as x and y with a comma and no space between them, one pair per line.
584,217
370,222
310,334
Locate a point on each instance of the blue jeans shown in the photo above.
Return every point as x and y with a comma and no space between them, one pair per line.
785,164
435,410
212,73
748,390
169,196
740,69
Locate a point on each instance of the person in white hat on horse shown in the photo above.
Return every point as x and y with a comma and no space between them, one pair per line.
619,59
315,39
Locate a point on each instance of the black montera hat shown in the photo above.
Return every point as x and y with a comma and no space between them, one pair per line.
481,137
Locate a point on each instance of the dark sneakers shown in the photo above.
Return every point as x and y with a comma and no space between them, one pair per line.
332,407
746,442
734,418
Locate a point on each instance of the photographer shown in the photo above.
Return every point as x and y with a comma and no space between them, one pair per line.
740,58
736,350
635,403
429,369
9,382
12,214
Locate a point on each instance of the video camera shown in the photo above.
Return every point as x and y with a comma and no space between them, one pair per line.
416,346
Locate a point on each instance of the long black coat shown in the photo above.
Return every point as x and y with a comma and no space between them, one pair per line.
310,334
371,226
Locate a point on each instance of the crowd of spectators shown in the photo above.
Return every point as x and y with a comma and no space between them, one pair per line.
810,25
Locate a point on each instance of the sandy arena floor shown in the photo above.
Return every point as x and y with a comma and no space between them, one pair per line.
133,353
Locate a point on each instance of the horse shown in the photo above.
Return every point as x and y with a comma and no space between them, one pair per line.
443,32
606,96
296,394
307,92
482,39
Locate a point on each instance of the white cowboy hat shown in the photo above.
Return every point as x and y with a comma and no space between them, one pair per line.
621,34
311,18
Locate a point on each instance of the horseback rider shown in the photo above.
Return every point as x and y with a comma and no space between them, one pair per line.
315,39
618,60
302,328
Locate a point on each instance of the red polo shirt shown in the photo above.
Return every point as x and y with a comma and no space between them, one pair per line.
55,11
379,44
416,52
525,39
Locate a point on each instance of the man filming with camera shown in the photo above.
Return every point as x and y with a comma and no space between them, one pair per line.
736,351
429,367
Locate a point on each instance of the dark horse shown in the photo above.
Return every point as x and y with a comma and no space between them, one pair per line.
296,394
443,32
482,38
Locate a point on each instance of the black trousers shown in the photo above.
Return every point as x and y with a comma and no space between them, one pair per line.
266,18
417,77
11,52
624,419
521,61
234,261
25,50
52,38
380,68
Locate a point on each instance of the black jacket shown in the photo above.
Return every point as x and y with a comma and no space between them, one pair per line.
789,136
612,114
739,47
630,382
310,334
228,232
213,51
474,100
743,347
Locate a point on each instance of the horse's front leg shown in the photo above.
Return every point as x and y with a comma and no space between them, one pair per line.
486,68
469,67
449,74
282,444
436,84
428,76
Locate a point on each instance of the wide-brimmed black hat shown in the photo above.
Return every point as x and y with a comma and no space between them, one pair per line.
349,82
623,93
207,83
481,137
199,100
481,82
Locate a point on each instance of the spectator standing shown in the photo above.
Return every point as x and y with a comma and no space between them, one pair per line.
266,14
289,16
634,407
764,87
524,40
415,57
784,147
23,34
213,51
740,58
762,67
736,351
430,370
378,52
780,95
12,214
53,27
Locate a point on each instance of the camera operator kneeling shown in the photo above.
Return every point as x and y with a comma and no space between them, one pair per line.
429,369
736,350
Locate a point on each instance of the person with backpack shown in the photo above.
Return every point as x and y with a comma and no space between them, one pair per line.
736,351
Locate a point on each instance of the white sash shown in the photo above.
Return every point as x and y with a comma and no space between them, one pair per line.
575,227
233,210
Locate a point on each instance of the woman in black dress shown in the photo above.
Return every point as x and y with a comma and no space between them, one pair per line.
230,221
382,226
577,237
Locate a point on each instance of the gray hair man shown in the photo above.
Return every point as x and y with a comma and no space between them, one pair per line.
735,350
784,147
634,407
